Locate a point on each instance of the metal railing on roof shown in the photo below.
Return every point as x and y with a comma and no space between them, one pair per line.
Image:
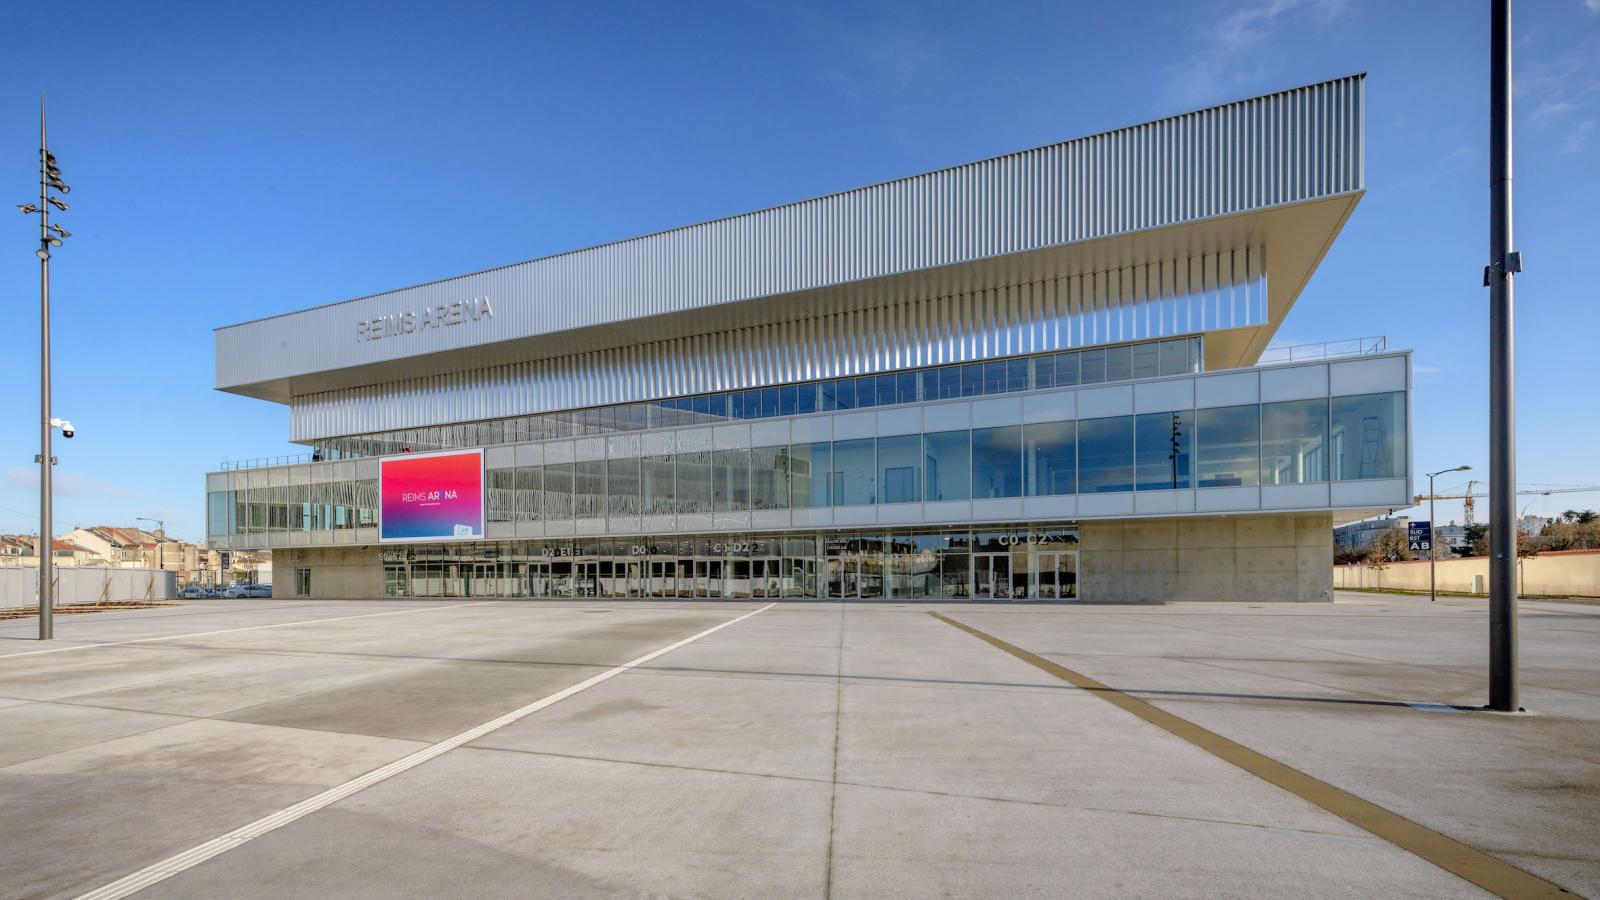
1362,346
262,462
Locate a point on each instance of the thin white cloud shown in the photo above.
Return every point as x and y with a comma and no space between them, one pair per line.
1229,37
1562,90
1578,138
66,484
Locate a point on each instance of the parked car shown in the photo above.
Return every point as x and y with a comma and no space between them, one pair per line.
248,590
193,592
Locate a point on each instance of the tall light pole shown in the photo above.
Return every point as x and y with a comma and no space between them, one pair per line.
49,179
1503,263
1433,534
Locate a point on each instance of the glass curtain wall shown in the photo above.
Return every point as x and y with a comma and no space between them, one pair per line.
1172,356
1289,442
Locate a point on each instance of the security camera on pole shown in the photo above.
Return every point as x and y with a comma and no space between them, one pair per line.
50,236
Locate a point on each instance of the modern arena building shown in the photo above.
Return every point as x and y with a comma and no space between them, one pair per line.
1036,377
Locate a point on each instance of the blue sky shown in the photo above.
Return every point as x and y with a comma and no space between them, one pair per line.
231,161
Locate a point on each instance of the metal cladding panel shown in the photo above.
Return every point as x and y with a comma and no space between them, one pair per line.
1175,297
1282,148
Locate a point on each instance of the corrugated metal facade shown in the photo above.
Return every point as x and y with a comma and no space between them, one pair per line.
1218,290
1283,148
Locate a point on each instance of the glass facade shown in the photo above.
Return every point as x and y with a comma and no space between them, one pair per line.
997,462
1105,455
1033,562
1368,436
1227,446
1294,437
946,464
1287,442
329,506
1174,356
1163,442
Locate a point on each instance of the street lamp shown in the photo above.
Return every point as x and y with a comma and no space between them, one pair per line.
1433,537
49,180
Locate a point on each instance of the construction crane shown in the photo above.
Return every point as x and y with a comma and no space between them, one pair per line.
1468,507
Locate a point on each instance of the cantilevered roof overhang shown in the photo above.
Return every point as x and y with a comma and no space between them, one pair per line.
1279,173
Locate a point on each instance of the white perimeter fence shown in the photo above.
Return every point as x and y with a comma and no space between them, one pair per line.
19,586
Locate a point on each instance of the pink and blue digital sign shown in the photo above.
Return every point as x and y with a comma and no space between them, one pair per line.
431,496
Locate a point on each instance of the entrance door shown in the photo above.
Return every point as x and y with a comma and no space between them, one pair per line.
663,578
855,577
538,579
991,576
482,580
844,577
1057,575
766,578
586,581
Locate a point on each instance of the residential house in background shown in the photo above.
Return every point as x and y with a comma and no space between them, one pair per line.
1360,535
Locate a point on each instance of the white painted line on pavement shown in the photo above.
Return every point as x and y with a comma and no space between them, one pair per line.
194,856
174,637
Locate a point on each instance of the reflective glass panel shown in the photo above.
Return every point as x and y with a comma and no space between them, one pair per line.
1146,360
1050,458
1163,442
694,482
1066,369
732,490
658,491
1119,363
589,489
1092,366
854,471
769,478
558,491
1369,436
1293,441
947,465
530,481
1105,455
502,495
624,492
997,462
1227,446
900,468
809,465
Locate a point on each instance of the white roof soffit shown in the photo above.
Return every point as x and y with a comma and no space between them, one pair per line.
1282,172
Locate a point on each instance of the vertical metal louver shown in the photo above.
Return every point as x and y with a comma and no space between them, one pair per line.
1202,293
1282,148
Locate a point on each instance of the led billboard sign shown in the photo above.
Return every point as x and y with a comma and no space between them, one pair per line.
431,496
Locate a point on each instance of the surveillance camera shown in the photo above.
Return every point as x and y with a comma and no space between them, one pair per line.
67,430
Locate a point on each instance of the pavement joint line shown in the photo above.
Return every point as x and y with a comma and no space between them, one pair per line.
1493,875
187,859
926,792
174,637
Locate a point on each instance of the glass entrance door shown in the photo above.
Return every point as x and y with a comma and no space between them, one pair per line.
766,578
991,576
538,579
1057,575
663,578
844,577
586,580
855,577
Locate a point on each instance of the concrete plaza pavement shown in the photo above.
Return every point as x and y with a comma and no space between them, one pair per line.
809,750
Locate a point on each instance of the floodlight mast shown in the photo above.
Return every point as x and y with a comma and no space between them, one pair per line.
49,179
